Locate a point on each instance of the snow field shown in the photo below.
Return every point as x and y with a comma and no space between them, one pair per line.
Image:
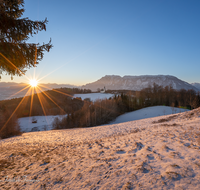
45,123
148,112
155,153
94,96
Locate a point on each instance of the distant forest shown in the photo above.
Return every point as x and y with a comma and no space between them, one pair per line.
85,113
56,101
103,111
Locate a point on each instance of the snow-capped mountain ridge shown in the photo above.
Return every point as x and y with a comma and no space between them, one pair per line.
127,82
197,85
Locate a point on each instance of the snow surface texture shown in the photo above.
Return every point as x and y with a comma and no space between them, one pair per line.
94,96
155,153
147,113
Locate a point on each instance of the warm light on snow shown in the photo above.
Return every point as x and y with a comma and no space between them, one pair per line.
158,153
33,83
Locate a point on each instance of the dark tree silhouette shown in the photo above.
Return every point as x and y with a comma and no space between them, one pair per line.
16,55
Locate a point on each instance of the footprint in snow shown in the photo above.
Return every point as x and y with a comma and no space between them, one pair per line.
120,152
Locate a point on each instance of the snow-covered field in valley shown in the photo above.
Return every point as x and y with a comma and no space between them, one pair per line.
155,153
94,96
42,123
45,123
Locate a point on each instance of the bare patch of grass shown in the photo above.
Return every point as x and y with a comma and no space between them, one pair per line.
175,154
175,166
197,163
165,147
198,141
46,161
144,167
165,119
135,130
127,186
173,175
190,115
170,125
6,164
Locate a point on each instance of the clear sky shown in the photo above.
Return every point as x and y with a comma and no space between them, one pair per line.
93,38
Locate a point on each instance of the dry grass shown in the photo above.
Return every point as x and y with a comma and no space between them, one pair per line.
170,125
165,119
198,141
6,164
173,175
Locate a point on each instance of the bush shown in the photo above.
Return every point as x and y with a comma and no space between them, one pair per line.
8,126
59,123
56,123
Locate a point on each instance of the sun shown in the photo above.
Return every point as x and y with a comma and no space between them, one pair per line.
33,83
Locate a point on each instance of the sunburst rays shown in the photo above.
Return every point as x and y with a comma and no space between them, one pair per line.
33,88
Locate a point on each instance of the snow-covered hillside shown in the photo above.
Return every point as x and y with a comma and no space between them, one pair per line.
155,153
45,123
42,123
148,112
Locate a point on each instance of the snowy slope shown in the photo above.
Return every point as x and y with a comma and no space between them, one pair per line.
155,153
44,123
147,113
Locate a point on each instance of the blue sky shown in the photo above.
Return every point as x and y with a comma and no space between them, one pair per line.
93,38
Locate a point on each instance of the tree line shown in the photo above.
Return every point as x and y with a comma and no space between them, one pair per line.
103,111
85,113
55,102
158,95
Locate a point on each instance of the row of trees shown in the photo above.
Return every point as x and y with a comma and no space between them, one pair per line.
55,102
91,114
102,111
84,113
158,95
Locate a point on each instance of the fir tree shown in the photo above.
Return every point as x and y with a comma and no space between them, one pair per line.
16,55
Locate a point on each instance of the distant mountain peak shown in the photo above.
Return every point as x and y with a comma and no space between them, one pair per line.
128,82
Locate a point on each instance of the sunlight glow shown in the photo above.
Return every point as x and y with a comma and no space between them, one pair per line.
33,83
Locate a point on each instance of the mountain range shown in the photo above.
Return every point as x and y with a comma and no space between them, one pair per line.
115,82
112,82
